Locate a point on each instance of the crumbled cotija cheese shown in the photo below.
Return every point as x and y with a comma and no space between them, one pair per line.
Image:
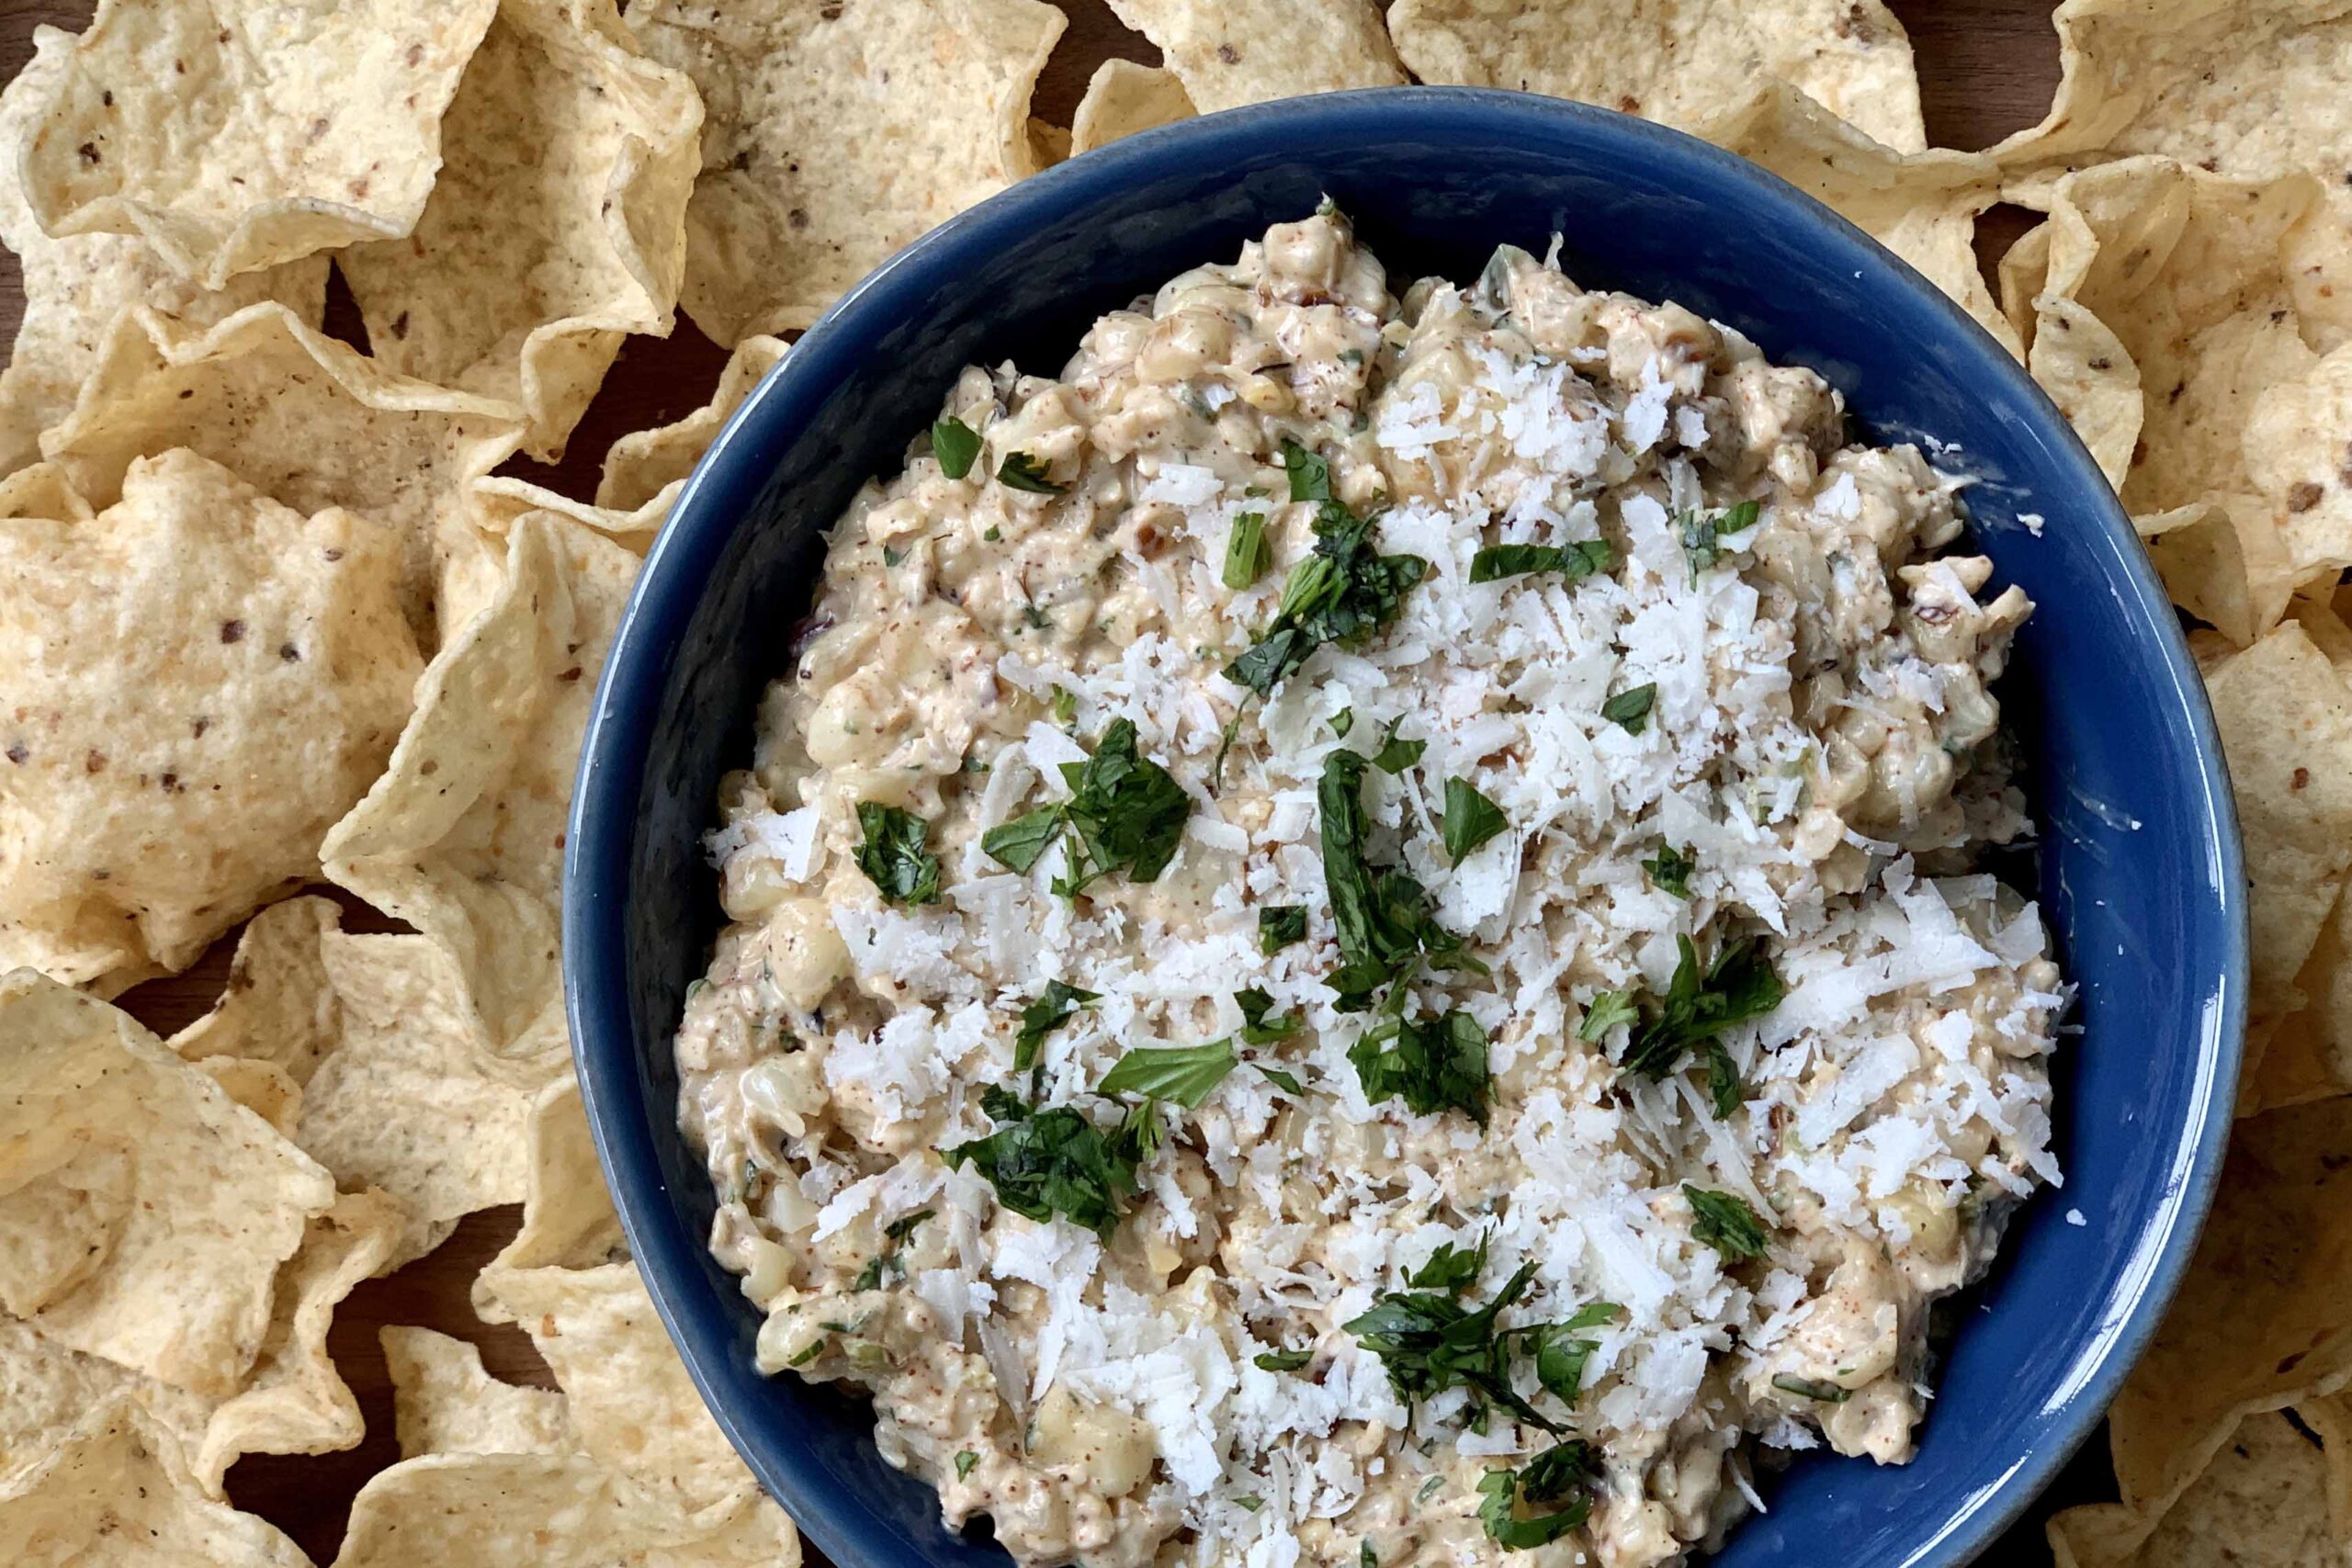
1819,746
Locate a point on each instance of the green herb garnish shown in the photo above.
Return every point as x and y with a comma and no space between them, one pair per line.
1247,555
1344,721
1723,1080
1430,1064
1310,475
1184,1074
1064,706
1429,1342
1561,1350
1021,470
1044,1163
892,855
1631,708
1506,1497
1284,1360
1382,913
892,1259
1726,1224
1807,1388
1396,755
964,1460
1609,1009
1261,1025
1670,870
1470,820
1125,814
1279,925
1039,1018
1280,1079
1702,538
1452,1269
955,443
1575,561
1739,985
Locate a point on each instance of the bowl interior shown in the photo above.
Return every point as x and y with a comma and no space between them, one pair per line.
2138,871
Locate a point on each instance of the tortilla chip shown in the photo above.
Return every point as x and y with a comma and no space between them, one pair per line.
2249,89
462,837
557,224
261,1087
157,787
568,1216
306,420
643,464
234,138
1123,98
278,1008
632,1401
835,133
119,1495
73,286
42,490
2298,454
2262,1503
1922,205
2092,377
1230,53
2170,288
142,1214
2224,562
444,1403
1691,63
498,1510
410,1100
2259,1322
2285,715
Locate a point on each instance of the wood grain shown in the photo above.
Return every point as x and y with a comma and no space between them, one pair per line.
1986,68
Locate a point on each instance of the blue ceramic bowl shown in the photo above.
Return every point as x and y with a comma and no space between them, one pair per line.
2140,864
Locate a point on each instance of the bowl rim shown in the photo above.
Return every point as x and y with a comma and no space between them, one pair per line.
715,502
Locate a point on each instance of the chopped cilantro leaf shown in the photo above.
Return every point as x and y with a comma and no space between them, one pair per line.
1470,820
1344,721
1396,755
1310,475
1807,1388
1739,985
1551,1477
1725,1223
1022,471
1125,812
1382,914
1054,1161
1702,538
1609,1009
1064,705
1018,843
1575,561
1261,1025
1722,1080
1039,1018
1279,925
1284,1360
1429,1342
1280,1079
1452,1269
893,554
1670,870
1631,708
892,855
892,1258
1341,592
1247,555
994,534
1430,1064
1366,1557
955,443
964,1460
1185,1075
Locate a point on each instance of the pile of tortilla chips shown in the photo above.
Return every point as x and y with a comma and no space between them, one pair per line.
271,616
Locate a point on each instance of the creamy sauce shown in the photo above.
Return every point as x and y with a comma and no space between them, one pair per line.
1822,738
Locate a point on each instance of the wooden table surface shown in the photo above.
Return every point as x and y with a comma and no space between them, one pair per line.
1986,68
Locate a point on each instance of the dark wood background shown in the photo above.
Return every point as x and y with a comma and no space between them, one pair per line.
1986,68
